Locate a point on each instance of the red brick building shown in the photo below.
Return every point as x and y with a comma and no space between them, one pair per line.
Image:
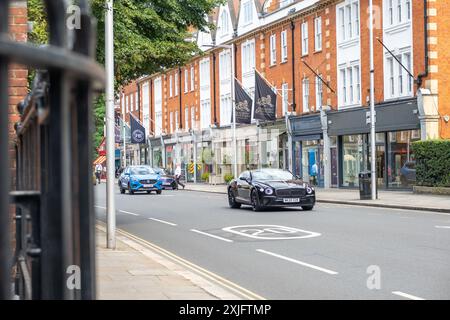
315,53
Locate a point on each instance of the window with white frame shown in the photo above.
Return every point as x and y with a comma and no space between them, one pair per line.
225,109
205,73
284,49
248,57
350,85
285,98
304,38
176,121
318,33
205,113
305,95
123,104
132,102
171,86
171,122
398,82
176,84
247,11
319,92
127,104
397,11
158,107
273,49
225,65
348,20
193,122
186,118
186,80
192,79
146,106
225,24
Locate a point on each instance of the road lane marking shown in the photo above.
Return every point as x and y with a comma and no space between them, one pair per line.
162,221
298,262
406,295
211,235
271,232
443,227
130,213
241,291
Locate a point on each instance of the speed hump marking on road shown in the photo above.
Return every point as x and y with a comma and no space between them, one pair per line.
271,232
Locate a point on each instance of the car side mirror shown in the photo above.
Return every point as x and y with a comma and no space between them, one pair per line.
244,179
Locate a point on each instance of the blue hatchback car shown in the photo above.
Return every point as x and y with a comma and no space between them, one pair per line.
140,179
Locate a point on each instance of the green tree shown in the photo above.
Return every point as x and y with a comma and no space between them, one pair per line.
149,36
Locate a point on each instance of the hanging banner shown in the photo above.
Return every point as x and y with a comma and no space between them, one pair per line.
265,100
117,134
137,131
243,105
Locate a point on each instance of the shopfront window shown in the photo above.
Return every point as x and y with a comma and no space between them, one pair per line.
352,159
157,158
401,170
312,162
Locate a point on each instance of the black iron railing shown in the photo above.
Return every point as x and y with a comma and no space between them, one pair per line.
55,224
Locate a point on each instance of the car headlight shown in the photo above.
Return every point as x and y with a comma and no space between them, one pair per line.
309,190
268,191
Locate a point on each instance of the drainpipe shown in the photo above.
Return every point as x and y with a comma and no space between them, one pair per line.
425,19
181,107
214,88
293,64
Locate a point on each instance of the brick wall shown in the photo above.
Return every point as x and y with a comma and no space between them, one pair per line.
17,81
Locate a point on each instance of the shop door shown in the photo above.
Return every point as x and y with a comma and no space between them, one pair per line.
334,167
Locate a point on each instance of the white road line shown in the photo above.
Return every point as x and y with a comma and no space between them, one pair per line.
298,262
211,235
406,295
443,227
130,213
162,221
100,207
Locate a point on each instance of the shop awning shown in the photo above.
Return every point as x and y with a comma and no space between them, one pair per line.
100,159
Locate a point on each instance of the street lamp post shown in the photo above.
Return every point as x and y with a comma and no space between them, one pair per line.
110,134
372,108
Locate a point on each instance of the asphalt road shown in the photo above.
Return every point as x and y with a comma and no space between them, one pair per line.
333,252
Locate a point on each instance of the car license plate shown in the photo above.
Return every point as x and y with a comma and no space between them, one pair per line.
291,200
148,186
167,184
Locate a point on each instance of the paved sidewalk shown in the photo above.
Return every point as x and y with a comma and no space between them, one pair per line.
387,199
135,272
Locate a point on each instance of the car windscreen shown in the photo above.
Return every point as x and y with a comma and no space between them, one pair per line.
159,171
142,171
272,175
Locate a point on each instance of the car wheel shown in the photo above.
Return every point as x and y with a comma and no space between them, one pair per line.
122,191
158,191
255,201
307,208
148,192
232,200
129,190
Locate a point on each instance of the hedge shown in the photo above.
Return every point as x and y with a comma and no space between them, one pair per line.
432,163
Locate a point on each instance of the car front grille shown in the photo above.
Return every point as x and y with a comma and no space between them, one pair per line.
291,192
150,181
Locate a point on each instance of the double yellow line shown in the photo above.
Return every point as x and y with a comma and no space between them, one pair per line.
233,287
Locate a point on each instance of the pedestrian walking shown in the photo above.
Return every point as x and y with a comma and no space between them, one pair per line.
314,173
178,176
98,172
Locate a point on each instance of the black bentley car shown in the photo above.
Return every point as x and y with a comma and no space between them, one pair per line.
270,188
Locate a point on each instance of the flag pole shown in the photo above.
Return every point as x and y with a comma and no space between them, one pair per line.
233,99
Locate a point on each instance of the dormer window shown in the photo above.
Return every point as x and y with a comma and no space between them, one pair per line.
225,25
247,11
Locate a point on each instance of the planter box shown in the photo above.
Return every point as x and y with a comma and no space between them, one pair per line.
431,190
215,179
